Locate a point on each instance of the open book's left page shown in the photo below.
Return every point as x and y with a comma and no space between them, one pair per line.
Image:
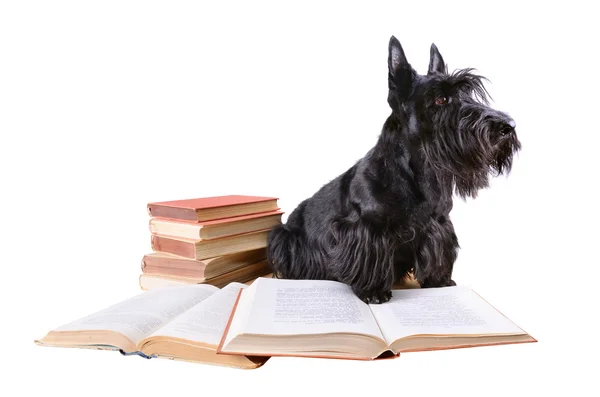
301,307
304,318
135,318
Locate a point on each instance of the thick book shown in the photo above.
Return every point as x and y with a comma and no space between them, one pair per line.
181,323
204,249
207,230
177,266
209,208
241,275
276,317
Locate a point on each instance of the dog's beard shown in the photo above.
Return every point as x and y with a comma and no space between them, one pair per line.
471,153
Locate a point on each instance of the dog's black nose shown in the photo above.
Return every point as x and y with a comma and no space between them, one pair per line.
508,127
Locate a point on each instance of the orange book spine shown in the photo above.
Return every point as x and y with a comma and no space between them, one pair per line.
182,267
172,212
187,249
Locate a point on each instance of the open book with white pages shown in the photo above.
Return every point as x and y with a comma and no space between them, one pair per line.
181,322
316,318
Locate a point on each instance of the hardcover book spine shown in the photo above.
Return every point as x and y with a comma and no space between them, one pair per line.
177,266
235,244
172,212
172,246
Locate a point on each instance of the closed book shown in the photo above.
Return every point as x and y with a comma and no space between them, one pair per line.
209,208
241,275
207,230
177,266
203,249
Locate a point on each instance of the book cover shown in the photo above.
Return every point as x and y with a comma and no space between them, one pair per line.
205,230
210,208
202,249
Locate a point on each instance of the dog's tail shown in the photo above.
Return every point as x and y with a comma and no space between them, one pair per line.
285,252
278,251
288,256
289,253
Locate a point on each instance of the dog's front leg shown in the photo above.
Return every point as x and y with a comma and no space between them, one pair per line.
436,254
363,257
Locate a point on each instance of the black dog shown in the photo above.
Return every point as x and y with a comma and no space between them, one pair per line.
389,214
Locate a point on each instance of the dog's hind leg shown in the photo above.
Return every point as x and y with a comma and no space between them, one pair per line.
436,254
289,255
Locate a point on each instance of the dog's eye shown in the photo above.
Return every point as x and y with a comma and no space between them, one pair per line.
441,100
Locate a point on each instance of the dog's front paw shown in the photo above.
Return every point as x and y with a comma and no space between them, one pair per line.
373,296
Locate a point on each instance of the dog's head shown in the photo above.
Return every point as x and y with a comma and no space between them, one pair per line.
447,115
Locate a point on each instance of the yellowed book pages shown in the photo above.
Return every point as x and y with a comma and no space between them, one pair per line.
322,318
241,275
182,322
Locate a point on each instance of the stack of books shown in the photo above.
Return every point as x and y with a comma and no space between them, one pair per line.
212,240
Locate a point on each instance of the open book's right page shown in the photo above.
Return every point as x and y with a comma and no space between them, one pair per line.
206,321
439,311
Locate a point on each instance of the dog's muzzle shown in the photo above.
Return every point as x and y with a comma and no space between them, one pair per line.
507,127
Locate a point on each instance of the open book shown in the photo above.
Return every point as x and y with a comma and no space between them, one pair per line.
274,317
183,322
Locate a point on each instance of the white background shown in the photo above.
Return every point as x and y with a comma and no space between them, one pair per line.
106,106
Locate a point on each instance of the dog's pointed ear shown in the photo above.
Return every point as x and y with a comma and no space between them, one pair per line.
396,57
400,74
436,62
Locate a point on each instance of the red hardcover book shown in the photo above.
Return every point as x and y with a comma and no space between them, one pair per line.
202,249
177,266
208,230
210,208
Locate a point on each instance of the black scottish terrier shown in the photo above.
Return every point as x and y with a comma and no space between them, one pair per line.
388,215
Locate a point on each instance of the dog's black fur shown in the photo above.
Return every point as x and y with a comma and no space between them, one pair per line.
388,215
